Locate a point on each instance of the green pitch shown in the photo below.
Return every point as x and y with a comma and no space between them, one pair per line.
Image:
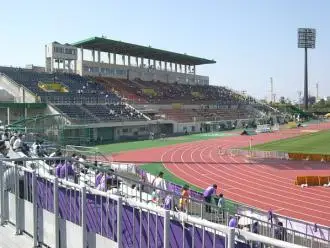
313,143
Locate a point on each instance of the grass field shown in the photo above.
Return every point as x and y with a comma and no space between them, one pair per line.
155,168
313,143
134,145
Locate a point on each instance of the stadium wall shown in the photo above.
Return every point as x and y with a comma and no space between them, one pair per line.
90,68
191,127
21,94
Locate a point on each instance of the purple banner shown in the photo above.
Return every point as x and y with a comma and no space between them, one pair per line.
69,204
101,215
180,235
136,231
45,191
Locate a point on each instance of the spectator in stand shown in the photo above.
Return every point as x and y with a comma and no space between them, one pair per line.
66,171
98,178
154,197
160,184
255,229
233,222
185,194
222,204
12,140
280,232
18,143
208,193
3,149
58,167
5,135
168,202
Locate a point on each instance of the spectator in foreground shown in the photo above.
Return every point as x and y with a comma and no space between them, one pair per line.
160,184
154,197
18,143
168,202
280,232
67,171
221,204
255,229
233,222
185,194
208,193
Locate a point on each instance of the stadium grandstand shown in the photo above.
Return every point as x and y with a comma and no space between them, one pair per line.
125,88
59,190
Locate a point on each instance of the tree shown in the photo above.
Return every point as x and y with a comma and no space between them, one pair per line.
282,100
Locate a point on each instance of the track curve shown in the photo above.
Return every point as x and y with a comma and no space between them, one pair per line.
263,184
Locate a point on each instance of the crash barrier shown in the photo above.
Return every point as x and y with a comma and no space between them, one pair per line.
259,154
311,157
59,213
312,180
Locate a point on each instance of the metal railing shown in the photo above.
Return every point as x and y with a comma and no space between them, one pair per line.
93,211
298,232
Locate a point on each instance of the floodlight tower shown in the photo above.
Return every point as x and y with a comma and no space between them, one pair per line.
306,39
271,90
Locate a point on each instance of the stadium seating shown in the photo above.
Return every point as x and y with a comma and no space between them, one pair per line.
189,115
122,87
165,93
76,85
98,90
86,113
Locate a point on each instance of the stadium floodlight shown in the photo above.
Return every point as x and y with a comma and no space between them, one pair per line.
306,40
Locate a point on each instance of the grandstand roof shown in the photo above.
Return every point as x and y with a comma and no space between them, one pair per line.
119,47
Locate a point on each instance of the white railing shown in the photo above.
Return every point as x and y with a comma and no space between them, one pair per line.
45,221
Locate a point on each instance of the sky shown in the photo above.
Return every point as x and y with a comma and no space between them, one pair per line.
251,40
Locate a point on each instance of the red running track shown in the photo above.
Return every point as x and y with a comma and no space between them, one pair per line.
263,184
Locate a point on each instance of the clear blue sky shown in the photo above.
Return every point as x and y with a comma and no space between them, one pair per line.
250,40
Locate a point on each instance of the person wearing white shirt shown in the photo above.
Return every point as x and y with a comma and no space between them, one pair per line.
160,184
12,140
221,204
18,143
35,148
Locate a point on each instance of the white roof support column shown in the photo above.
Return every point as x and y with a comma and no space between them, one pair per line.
93,55
154,62
123,58
171,66
165,65
75,66
137,61
176,67
160,65
82,53
194,73
99,56
109,58
114,58
129,60
51,64
142,62
185,73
